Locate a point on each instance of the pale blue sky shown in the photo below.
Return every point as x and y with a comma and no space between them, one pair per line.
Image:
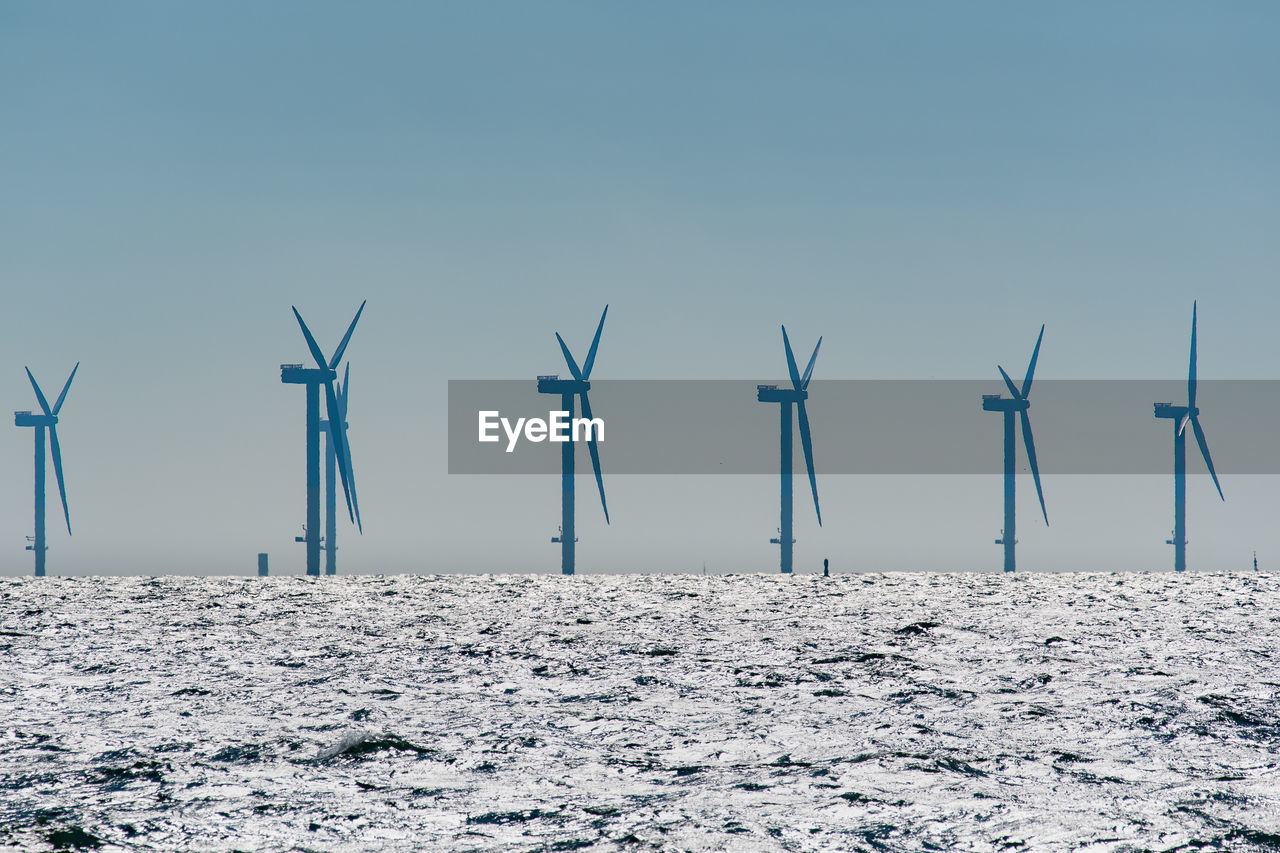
923,184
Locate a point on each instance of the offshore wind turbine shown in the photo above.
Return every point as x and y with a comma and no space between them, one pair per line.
1181,416
330,480
785,400
325,374
1008,406
567,389
46,421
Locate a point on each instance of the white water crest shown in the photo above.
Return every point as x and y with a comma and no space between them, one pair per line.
911,711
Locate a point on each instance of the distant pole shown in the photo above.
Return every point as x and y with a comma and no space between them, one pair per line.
826,568
1179,499
262,565
330,504
1010,463
787,542
313,479
1255,561
38,544
567,536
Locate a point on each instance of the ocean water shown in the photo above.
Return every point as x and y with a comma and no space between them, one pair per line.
986,712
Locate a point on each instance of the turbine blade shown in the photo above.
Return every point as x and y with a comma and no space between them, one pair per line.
57,470
791,361
1191,369
342,347
808,371
351,477
1013,389
1031,457
568,357
65,388
44,404
1182,424
595,342
316,353
806,442
337,433
1204,450
344,391
344,399
1031,367
595,458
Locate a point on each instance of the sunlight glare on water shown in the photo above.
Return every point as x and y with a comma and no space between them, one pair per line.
875,712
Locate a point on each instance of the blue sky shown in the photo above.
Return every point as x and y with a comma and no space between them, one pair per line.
923,184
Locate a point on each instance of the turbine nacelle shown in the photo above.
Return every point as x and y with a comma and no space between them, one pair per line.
997,403
774,394
27,419
1174,411
296,374
556,385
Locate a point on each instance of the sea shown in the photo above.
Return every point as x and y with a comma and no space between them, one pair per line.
741,712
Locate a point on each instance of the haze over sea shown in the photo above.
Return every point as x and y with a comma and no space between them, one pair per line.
1123,712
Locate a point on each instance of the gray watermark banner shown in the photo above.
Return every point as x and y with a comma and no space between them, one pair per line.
871,427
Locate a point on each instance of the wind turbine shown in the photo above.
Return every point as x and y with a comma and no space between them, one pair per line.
567,389
330,480
1018,403
48,420
313,377
1181,416
785,400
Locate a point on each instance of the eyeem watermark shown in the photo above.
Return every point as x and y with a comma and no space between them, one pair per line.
863,427
557,427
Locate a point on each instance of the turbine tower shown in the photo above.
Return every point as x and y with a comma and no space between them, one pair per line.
330,479
325,374
1008,406
785,400
1181,416
48,420
567,389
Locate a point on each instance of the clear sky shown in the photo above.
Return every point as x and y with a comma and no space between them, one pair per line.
922,183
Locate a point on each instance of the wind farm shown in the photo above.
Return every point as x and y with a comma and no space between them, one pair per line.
45,423
786,400
1017,403
525,434
775,658
1180,416
221,658
323,374
568,390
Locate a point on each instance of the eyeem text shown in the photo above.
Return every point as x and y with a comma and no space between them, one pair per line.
557,427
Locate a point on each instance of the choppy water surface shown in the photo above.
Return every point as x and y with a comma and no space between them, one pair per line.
871,712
